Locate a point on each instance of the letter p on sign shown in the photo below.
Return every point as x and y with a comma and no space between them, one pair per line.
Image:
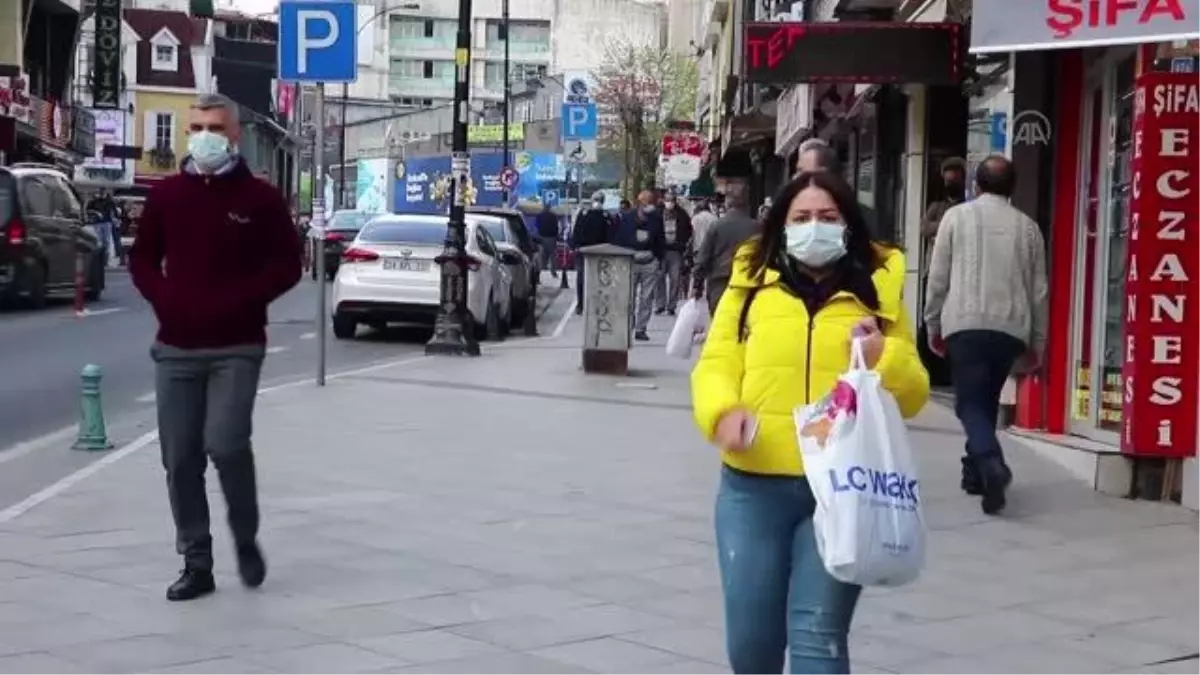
304,43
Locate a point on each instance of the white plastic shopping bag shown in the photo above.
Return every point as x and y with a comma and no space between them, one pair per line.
869,525
692,321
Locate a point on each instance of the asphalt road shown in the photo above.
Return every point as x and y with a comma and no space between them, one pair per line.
42,352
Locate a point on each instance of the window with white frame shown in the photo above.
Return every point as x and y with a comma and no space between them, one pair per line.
164,51
164,131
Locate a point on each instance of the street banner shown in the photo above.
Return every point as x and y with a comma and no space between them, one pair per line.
1161,352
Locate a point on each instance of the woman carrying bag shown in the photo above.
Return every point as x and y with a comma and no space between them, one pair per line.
780,337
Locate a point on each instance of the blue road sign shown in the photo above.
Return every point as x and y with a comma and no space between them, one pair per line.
318,41
550,197
579,122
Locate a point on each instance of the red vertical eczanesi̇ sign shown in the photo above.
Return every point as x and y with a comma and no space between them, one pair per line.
1162,331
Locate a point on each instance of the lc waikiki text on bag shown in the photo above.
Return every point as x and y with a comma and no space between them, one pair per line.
869,524
689,328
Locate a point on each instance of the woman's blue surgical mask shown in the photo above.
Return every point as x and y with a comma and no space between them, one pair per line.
815,244
209,150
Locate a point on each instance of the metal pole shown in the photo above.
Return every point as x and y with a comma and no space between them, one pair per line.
507,87
297,128
318,222
341,192
453,332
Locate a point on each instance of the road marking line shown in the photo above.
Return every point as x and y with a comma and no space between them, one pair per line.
101,312
276,349
61,485
21,507
566,317
308,336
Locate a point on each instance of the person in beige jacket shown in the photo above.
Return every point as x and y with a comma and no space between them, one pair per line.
987,308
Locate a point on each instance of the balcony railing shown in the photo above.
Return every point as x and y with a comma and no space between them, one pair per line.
433,44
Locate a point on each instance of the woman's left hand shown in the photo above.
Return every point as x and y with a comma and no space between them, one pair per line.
872,338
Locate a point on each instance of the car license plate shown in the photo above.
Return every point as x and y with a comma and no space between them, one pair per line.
405,265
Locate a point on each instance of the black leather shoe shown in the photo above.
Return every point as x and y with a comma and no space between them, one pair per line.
251,565
995,477
191,584
970,483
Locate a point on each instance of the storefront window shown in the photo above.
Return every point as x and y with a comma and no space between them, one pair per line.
1120,158
1103,244
990,114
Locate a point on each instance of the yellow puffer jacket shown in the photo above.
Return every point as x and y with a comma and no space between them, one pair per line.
790,359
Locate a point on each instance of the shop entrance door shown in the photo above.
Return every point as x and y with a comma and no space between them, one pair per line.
1098,316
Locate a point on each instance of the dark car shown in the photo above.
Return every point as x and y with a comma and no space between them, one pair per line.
43,232
341,229
517,234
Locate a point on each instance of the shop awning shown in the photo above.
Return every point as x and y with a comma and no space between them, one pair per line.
1011,26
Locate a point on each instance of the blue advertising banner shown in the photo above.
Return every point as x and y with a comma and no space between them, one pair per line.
418,190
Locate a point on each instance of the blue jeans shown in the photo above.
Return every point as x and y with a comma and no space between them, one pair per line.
778,597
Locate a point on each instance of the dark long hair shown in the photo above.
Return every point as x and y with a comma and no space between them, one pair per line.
862,257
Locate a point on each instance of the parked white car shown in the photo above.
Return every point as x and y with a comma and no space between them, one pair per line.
388,274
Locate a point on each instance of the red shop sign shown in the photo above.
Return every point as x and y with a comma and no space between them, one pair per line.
1162,352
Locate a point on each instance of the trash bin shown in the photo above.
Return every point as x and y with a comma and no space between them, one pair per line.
607,298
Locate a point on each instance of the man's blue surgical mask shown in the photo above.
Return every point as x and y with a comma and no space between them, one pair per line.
815,244
209,150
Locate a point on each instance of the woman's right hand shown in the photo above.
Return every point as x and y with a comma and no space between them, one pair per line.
730,433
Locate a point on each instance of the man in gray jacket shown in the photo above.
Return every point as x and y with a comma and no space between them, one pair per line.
987,306
714,261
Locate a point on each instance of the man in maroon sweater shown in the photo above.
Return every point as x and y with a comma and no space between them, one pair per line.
215,245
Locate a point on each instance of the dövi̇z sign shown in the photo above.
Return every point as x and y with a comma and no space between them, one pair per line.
1162,352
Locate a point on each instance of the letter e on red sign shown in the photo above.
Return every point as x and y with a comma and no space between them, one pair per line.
1161,369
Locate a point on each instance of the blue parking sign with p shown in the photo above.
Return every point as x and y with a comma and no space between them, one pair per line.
318,41
579,121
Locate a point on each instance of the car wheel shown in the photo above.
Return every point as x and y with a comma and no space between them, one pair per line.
36,287
490,328
344,327
95,280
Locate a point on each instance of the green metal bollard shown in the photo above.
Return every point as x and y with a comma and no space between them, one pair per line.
92,434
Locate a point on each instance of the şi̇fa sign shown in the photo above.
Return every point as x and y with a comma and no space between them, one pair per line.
1162,355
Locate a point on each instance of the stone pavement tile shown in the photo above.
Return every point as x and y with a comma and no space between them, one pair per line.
693,642
250,638
1039,657
15,570
1128,645
39,662
620,588
533,598
1188,666
221,665
1182,629
1097,610
23,612
688,666
513,664
691,577
140,654
981,634
330,657
426,646
890,654
608,655
364,621
50,634
456,608
704,606
571,625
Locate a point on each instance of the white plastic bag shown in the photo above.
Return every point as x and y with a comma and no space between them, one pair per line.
869,526
691,321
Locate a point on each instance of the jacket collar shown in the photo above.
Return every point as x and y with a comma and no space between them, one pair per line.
888,279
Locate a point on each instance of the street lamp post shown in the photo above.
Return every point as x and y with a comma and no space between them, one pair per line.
453,332
507,88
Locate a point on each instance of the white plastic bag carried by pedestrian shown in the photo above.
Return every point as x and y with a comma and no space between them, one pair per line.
869,525
692,321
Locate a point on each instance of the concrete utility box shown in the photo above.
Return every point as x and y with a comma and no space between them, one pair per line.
607,305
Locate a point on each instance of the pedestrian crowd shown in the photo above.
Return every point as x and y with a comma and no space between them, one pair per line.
796,290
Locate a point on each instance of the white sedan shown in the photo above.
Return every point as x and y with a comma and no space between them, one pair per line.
388,274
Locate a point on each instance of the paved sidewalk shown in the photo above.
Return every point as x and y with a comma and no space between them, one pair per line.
509,515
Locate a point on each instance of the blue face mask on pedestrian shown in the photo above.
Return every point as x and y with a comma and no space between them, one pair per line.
209,150
815,244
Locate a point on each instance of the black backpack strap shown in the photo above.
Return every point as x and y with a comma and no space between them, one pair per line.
744,330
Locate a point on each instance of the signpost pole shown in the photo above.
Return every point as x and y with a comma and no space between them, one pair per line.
453,332
318,223
507,89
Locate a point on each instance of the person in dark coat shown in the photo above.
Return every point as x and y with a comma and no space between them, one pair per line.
593,226
677,233
547,228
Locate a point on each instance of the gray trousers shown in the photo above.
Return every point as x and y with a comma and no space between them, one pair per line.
205,400
667,290
645,278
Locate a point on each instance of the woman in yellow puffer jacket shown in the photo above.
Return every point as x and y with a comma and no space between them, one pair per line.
780,338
